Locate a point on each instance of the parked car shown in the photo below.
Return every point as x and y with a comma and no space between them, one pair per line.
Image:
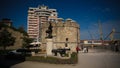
18,54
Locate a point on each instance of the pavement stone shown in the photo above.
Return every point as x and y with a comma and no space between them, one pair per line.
95,58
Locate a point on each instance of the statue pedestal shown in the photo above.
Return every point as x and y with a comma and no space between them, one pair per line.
49,47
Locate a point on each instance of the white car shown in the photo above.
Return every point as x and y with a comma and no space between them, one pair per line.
19,51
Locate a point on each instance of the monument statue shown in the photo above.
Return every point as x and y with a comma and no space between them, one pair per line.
49,31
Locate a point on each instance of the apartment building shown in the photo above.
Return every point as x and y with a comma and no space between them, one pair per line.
37,16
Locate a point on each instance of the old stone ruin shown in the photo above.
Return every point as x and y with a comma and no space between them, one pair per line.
59,39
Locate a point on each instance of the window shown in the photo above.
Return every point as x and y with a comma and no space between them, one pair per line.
66,39
51,14
31,9
89,41
66,43
54,15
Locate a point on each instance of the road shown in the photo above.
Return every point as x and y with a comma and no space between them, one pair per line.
96,58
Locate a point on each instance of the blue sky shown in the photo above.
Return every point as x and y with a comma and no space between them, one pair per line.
85,12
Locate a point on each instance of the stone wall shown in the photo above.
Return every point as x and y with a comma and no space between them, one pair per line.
61,31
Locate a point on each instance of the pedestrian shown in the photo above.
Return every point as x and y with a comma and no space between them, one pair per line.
116,46
77,49
87,49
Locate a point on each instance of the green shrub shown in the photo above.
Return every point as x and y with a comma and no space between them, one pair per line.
72,60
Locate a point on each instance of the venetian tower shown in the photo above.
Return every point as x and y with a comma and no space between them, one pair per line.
65,34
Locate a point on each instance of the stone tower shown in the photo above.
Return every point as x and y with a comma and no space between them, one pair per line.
65,34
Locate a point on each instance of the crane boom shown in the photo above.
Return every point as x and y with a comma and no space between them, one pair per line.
100,30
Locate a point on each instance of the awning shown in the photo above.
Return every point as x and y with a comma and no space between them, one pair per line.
34,43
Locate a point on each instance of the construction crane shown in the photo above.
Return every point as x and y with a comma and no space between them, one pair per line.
93,38
111,34
100,30
91,35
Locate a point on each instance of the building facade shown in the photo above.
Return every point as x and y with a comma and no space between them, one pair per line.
65,34
36,17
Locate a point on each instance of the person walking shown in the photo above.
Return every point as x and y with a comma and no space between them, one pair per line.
77,49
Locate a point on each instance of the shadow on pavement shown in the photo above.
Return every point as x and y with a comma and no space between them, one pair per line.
8,61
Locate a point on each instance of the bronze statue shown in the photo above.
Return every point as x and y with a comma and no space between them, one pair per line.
49,31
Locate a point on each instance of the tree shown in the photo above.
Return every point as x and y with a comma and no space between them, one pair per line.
6,39
26,41
21,29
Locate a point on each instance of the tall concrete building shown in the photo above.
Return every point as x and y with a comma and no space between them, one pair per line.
36,17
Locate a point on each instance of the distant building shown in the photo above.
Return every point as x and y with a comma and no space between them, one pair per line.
6,22
37,16
94,42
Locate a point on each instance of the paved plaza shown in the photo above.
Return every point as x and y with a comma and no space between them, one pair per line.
96,58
